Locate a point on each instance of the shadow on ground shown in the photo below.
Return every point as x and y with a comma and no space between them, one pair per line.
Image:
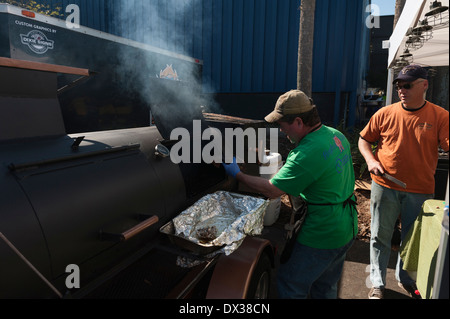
355,282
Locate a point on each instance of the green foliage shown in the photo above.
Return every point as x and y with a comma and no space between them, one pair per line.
359,163
37,7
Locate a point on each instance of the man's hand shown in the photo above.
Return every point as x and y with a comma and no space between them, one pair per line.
232,169
375,167
258,184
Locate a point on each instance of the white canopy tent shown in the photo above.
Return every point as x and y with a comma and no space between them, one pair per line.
434,52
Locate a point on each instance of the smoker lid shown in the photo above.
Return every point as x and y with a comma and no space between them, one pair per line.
28,100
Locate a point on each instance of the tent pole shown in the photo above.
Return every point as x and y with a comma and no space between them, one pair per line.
389,90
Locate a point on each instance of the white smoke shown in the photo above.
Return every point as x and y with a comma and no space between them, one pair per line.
164,25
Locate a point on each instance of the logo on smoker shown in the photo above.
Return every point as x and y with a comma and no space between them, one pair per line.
169,73
37,42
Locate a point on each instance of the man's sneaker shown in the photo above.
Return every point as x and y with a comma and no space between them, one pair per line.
376,293
411,290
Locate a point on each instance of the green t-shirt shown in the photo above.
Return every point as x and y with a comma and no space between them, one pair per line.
320,170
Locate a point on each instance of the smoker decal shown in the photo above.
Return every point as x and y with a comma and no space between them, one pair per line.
169,73
37,42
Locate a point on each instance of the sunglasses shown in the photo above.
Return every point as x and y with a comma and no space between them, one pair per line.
406,86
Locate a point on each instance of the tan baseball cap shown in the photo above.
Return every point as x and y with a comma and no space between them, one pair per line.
292,102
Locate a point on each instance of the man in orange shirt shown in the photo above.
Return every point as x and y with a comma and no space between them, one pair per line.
408,135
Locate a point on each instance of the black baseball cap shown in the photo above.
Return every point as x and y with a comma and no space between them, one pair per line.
411,73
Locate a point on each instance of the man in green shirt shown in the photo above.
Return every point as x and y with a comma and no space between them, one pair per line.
319,171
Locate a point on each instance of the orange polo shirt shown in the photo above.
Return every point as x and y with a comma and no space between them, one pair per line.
408,144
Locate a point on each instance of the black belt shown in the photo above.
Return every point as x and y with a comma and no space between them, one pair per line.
349,200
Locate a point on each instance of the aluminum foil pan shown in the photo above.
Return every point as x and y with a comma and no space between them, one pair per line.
221,219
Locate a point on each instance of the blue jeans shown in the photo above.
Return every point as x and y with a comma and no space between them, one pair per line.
386,205
311,272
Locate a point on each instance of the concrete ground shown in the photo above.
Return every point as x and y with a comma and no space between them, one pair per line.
355,278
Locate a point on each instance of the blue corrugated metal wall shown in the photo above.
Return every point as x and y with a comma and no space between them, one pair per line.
248,46
251,46
341,50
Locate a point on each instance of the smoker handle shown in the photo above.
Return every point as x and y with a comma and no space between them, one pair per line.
126,235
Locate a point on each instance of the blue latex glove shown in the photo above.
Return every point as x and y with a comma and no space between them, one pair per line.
232,169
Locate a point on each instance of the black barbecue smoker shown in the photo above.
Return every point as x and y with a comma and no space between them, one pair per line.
97,201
